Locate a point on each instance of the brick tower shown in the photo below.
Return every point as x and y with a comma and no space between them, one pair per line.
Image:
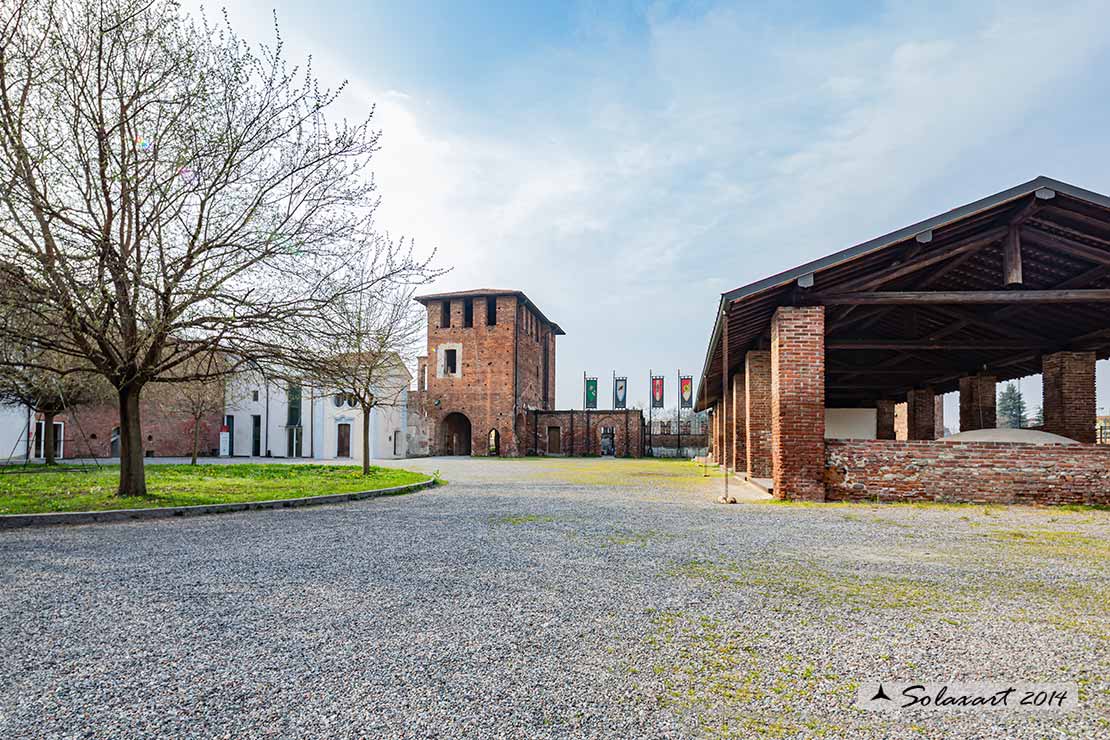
490,360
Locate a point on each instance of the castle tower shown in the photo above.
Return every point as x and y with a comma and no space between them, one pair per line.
490,361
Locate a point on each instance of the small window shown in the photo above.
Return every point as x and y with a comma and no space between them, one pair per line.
491,311
254,395
445,315
339,399
468,312
450,362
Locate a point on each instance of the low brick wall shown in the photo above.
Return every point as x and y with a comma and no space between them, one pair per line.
982,472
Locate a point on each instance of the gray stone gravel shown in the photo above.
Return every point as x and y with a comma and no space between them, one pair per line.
558,598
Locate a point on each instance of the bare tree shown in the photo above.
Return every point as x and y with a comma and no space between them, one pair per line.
363,341
25,380
169,192
197,400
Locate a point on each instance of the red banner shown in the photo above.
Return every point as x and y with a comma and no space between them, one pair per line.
657,391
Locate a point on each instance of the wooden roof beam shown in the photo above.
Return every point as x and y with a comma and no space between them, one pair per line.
962,297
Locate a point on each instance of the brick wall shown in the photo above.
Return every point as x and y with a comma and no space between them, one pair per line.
738,415
580,431
884,420
495,361
978,407
1069,395
798,402
166,433
757,394
921,407
983,472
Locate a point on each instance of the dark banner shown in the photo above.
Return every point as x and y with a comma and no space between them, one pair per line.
620,393
657,391
686,391
591,393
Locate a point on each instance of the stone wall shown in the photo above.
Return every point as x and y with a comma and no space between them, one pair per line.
982,472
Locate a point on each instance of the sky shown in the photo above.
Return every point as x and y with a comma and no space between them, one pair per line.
625,163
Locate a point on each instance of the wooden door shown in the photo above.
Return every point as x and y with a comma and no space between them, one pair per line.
554,441
343,443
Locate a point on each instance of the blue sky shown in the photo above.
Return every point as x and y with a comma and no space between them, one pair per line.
625,163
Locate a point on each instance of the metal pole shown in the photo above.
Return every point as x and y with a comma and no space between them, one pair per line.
678,418
651,412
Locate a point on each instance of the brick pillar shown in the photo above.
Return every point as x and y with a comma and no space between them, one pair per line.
757,400
718,448
798,402
738,415
921,414
884,420
977,402
1069,395
938,417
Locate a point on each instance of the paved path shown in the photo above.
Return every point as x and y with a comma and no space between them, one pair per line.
548,598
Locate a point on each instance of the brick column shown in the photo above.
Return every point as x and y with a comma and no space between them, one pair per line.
921,414
798,402
757,400
738,415
1069,395
938,417
884,420
977,402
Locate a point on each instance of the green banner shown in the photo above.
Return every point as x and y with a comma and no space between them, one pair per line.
591,393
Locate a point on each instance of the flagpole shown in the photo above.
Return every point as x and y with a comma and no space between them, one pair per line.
651,411
678,418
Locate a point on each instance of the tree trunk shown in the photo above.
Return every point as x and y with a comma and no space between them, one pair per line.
132,474
366,441
196,439
48,438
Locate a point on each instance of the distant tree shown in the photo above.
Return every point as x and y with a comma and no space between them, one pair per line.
44,383
360,344
1037,419
1011,409
168,192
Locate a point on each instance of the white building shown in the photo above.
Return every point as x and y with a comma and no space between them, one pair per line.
13,433
275,418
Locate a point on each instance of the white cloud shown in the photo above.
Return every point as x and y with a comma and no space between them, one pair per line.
650,175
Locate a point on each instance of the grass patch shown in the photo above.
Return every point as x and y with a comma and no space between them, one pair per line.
516,520
1053,543
665,473
722,680
811,583
74,489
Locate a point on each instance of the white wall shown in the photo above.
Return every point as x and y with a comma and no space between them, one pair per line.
320,417
851,423
13,432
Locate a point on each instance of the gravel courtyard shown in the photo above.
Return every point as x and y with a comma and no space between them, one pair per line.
550,598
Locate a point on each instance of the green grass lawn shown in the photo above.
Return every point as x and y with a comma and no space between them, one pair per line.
65,488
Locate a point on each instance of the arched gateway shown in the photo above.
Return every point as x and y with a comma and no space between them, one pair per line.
456,434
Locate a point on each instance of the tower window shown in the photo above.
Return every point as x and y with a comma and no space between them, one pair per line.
445,315
468,312
491,311
450,362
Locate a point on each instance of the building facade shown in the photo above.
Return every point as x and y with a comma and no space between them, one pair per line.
487,385
270,417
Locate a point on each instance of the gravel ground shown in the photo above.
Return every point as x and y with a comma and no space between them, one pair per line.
554,598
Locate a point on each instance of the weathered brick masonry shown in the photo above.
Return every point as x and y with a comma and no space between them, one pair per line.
1069,395
505,368
757,393
798,402
986,472
580,432
166,432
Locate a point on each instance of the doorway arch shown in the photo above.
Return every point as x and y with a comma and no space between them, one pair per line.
494,443
456,434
